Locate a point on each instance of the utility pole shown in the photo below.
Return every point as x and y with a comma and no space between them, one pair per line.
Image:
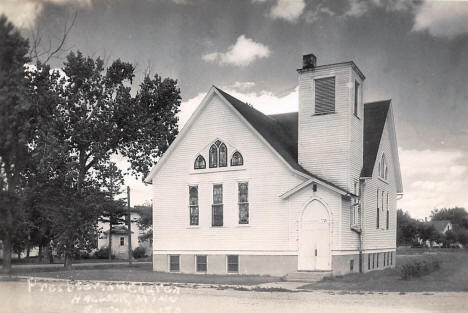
129,223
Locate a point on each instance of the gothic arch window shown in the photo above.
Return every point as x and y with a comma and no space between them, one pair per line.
237,159
213,156
383,169
200,162
222,155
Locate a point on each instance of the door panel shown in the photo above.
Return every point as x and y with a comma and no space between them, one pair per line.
314,238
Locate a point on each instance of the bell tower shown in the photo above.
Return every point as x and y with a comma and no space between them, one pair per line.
331,120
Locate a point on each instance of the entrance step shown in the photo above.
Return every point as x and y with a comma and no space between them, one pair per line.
307,276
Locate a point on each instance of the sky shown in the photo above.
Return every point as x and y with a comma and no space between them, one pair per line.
414,52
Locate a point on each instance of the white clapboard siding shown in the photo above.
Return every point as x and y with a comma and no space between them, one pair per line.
380,238
268,177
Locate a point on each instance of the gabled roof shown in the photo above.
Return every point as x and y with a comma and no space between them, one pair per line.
440,225
375,115
279,130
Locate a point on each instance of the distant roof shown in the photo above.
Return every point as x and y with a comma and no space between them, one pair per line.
118,230
375,115
281,132
440,225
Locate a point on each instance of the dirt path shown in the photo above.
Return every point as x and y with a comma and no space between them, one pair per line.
49,297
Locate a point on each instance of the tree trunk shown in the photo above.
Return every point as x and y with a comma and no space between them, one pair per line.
110,240
6,255
40,254
28,251
45,256
68,261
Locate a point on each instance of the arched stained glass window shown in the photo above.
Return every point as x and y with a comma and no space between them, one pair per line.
200,162
237,159
222,155
213,156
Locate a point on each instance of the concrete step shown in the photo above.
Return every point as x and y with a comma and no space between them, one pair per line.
307,276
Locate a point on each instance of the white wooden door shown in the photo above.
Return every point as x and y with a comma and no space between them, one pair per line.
314,238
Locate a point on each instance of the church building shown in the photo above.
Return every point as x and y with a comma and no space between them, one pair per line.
242,192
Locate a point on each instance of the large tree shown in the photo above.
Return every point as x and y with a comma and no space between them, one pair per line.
15,130
98,117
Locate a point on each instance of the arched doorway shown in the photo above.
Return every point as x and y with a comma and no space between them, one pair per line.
314,238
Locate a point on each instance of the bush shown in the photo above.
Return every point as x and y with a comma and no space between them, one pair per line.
139,252
102,253
419,268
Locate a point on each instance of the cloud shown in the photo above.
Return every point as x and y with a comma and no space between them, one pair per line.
242,53
357,8
312,16
442,18
289,10
433,179
264,101
23,13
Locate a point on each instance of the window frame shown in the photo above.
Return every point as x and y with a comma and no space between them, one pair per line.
122,241
239,203
197,263
227,263
225,160
388,216
197,206
378,210
195,167
357,89
170,263
241,158
213,156
315,94
215,205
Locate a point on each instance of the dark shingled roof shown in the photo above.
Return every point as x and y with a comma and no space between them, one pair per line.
375,115
281,131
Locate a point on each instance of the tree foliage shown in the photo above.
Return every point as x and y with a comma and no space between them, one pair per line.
455,215
59,130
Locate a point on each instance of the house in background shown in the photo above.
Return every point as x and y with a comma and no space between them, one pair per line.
442,226
120,237
239,191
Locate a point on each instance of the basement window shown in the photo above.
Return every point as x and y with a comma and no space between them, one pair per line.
202,264
233,264
174,263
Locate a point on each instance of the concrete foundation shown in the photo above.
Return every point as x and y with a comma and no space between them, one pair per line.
275,265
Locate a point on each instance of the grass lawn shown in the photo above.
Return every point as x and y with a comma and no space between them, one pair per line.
452,276
144,273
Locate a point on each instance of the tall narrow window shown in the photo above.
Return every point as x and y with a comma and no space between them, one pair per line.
213,156
382,207
355,205
368,261
193,204
388,215
222,155
384,258
356,98
122,241
373,260
325,95
378,209
199,162
237,159
378,260
243,203
217,209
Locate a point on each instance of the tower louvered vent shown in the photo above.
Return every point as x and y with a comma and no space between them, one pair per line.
325,95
